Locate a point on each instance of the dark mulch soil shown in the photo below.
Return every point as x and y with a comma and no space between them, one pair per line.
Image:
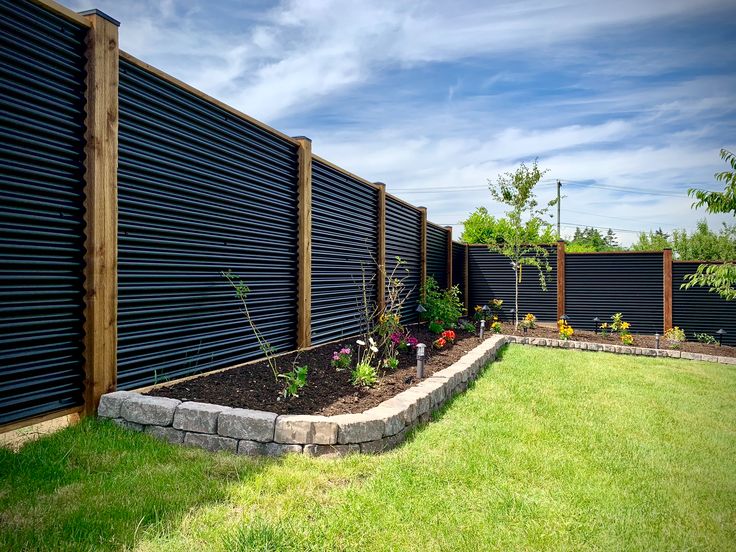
328,392
639,340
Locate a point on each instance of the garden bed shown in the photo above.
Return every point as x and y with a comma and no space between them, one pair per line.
328,391
640,340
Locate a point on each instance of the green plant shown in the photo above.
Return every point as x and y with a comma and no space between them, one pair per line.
294,380
364,375
516,190
441,304
627,339
469,327
436,327
529,322
565,329
496,326
618,324
342,359
705,338
392,363
675,337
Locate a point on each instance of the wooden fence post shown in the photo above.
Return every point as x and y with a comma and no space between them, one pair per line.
560,278
449,256
667,288
466,280
423,253
101,210
381,248
304,245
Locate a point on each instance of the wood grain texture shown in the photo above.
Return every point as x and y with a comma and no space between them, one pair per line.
667,288
381,248
304,245
12,426
423,250
101,213
560,279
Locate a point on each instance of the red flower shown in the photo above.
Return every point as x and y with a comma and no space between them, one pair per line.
449,335
439,343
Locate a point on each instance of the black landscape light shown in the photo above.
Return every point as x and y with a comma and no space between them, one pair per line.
485,310
564,318
421,309
596,321
720,333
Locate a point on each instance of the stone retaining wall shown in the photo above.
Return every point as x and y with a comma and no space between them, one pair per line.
619,349
258,433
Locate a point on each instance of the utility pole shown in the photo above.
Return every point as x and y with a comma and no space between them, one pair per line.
559,234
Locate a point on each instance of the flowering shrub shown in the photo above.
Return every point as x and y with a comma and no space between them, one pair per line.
496,305
529,322
403,341
627,339
342,359
566,330
605,329
479,314
675,337
439,343
441,304
496,326
619,325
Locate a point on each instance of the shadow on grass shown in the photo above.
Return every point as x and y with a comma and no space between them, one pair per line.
96,486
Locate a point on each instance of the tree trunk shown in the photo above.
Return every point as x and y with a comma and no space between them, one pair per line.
516,298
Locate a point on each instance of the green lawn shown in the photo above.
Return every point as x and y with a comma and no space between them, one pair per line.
551,449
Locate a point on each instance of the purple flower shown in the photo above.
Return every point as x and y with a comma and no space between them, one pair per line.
412,341
345,351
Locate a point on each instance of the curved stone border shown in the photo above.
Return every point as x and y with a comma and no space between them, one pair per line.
618,349
258,433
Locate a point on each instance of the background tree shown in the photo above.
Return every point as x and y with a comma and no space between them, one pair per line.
516,190
719,278
482,227
703,244
589,240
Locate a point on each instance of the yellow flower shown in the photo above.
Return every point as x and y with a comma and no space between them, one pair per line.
478,308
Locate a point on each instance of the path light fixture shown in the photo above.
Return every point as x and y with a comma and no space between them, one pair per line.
421,309
564,318
596,321
482,328
485,311
656,341
421,347
720,333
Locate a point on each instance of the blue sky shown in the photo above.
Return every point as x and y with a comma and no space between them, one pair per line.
435,98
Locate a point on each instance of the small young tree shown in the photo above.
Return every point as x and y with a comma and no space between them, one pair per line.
516,190
721,278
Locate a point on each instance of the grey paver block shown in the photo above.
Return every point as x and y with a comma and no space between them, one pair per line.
253,425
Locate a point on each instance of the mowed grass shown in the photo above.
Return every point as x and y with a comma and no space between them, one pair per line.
550,450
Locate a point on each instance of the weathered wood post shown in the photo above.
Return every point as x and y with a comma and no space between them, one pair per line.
560,278
304,245
667,288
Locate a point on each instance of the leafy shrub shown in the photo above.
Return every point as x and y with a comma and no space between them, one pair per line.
675,337
619,325
469,327
436,327
706,338
627,339
441,305
364,375
294,380
342,359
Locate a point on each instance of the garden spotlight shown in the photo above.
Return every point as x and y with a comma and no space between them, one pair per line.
420,360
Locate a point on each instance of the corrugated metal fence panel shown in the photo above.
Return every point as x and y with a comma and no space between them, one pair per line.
403,239
200,191
41,211
458,266
603,284
697,310
491,277
344,249
437,254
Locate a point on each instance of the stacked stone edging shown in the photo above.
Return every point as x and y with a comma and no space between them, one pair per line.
618,349
258,433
